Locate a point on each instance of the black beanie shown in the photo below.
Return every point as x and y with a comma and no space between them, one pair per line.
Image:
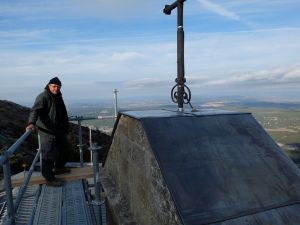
55,80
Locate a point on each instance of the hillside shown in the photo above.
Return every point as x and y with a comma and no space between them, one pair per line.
13,120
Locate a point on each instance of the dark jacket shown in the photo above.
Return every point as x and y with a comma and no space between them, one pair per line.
49,113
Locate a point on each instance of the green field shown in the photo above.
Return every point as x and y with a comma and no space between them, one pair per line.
283,125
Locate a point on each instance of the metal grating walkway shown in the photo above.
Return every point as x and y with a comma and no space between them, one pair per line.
69,204
27,206
64,205
75,208
25,212
49,206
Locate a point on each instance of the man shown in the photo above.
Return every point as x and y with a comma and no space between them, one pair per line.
50,116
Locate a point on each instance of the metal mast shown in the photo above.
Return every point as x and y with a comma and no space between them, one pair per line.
179,96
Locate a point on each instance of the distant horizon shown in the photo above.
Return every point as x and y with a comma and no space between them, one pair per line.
164,100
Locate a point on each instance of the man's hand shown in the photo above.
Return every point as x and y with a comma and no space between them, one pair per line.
30,127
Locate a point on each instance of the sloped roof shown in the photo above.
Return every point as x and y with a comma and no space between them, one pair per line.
222,167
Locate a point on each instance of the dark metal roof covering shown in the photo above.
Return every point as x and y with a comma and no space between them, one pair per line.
222,166
174,113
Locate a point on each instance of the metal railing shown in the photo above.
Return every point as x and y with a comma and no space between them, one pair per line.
4,162
79,119
12,206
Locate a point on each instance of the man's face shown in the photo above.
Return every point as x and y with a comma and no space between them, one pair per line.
54,89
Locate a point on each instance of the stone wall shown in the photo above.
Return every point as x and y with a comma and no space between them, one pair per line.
137,193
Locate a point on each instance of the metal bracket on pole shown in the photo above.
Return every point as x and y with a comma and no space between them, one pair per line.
116,102
41,156
80,142
97,185
168,8
96,169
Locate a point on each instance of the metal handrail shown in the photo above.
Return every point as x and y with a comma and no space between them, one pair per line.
4,161
3,206
76,118
12,207
79,119
26,181
9,152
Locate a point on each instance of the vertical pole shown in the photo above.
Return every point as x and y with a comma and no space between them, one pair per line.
8,190
96,173
91,143
23,187
116,103
180,55
95,150
41,156
80,142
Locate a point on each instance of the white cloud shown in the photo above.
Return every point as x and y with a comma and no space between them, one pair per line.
293,74
212,60
116,9
218,9
32,10
275,77
220,54
125,56
24,34
288,76
147,82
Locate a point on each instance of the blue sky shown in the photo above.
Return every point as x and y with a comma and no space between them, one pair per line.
248,48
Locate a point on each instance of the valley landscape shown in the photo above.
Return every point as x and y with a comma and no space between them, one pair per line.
280,119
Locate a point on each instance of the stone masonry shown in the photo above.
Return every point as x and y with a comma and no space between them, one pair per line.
137,193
